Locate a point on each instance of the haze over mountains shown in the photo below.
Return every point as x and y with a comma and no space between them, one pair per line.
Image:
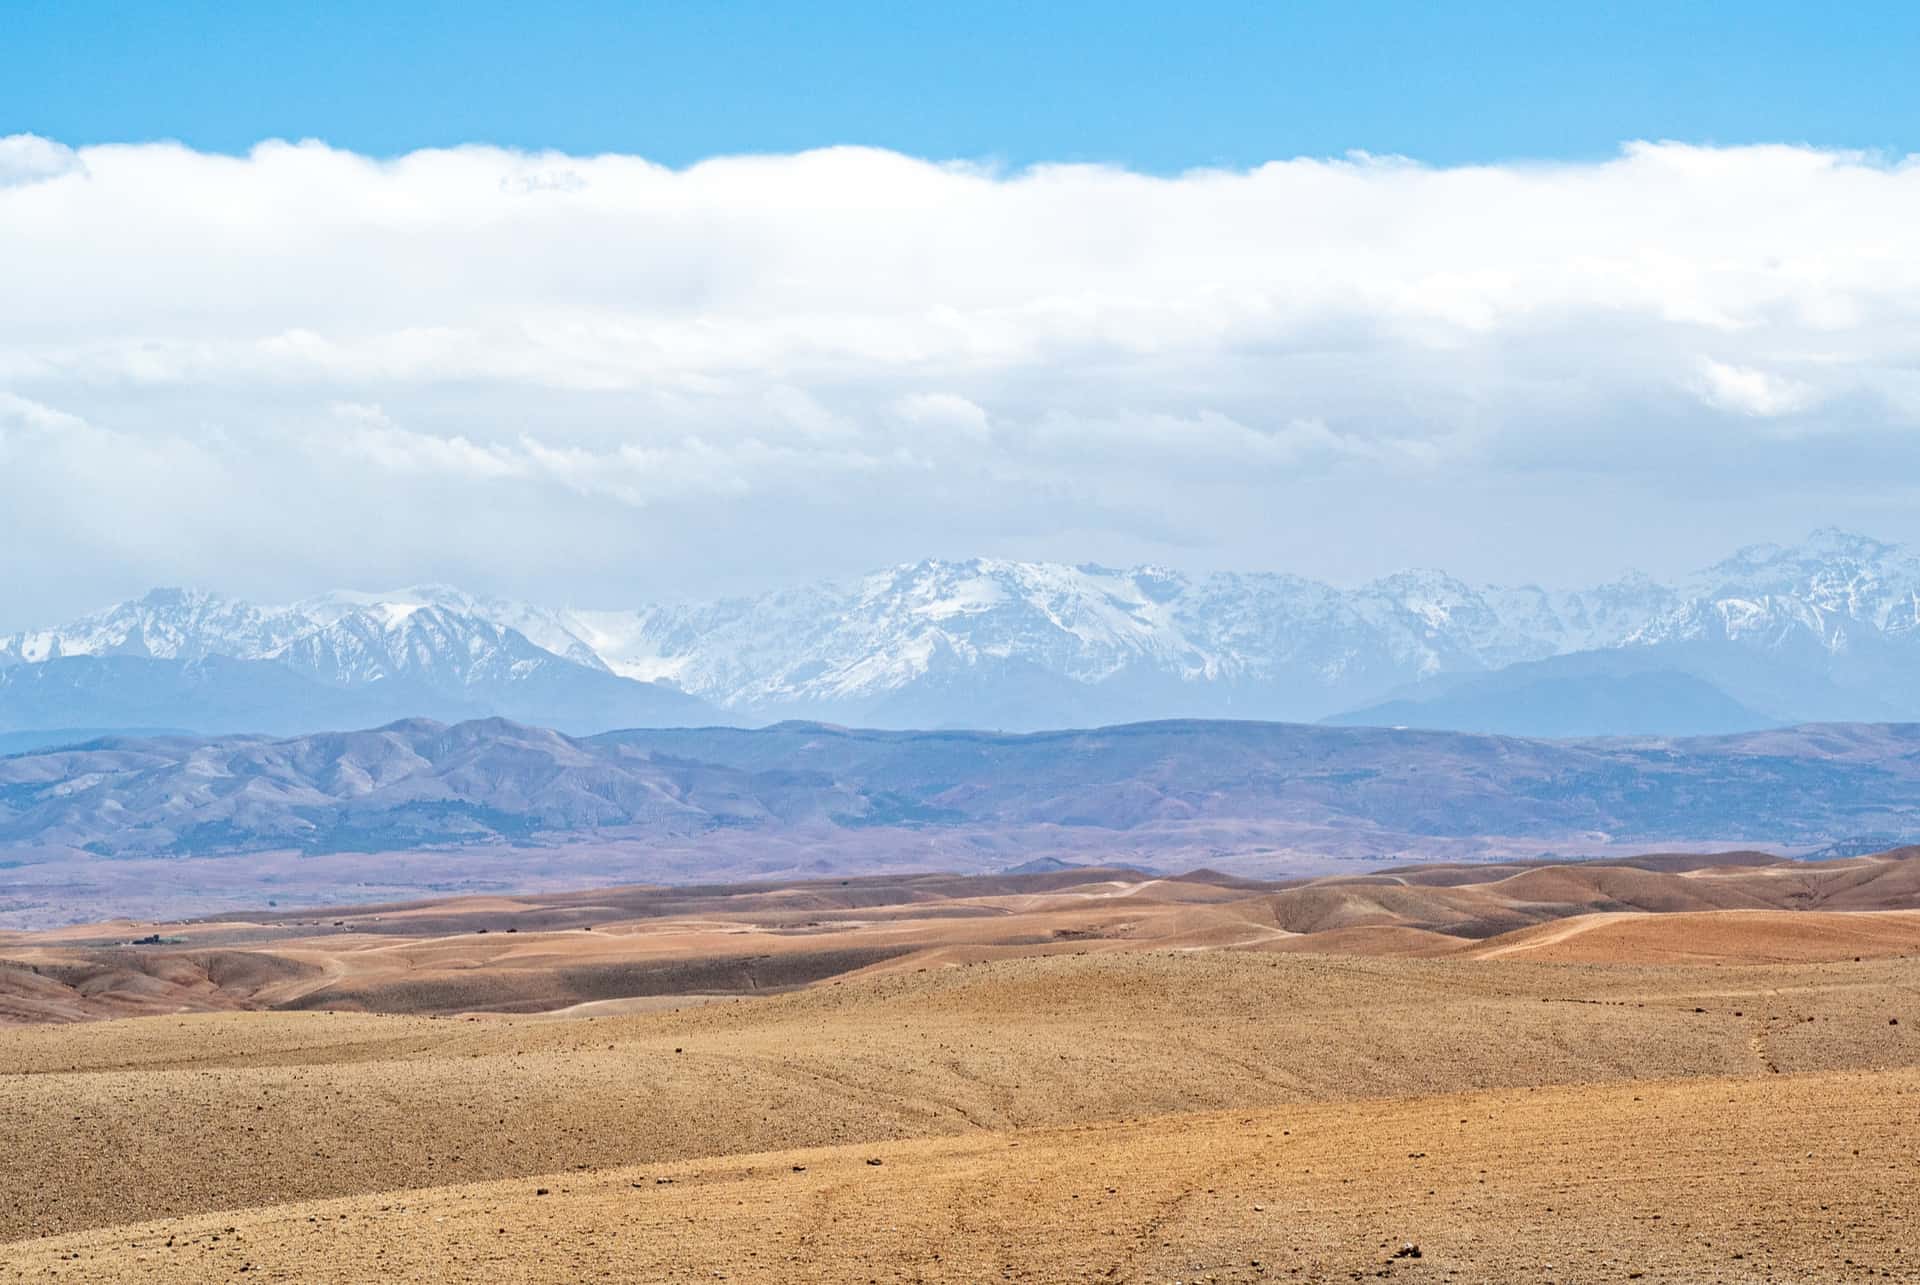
424,782
1825,631
164,825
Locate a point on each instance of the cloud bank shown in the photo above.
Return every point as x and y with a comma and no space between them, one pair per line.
609,379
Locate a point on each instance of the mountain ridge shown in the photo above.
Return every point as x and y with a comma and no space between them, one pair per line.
153,825
189,658
198,795
1828,629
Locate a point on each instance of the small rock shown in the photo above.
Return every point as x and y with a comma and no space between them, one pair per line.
874,1160
1408,1250
540,1191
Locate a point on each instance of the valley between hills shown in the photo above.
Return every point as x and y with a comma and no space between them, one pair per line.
1673,1067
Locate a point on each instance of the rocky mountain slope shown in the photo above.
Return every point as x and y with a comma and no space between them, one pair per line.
1241,786
180,658
1827,630
1771,635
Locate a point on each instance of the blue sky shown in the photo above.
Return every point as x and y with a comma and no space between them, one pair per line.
1157,87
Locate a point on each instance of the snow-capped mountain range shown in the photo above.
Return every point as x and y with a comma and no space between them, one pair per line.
1829,629
192,660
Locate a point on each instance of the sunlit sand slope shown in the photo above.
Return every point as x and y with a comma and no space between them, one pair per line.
1803,1177
105,1123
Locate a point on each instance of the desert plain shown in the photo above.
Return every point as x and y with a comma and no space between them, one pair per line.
1675,1068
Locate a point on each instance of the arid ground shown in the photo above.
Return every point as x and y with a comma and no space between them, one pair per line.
1672,1069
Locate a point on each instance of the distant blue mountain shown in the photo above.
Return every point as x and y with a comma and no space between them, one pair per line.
1583,695
215,694
57,737
1140,792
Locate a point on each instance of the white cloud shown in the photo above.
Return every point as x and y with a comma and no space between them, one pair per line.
1758,393
401,453
24,415
26,158
1070,360
944,412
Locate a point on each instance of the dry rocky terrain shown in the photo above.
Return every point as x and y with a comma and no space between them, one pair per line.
1671,1070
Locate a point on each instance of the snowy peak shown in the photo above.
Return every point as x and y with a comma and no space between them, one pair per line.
1151,642
1087,621
1829,562
998,642
166,624
554,631
1829,590
332,661
388,641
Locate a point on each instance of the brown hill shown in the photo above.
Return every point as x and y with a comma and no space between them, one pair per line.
560,951
1571,1072
1797,1178
1746,936
992,1094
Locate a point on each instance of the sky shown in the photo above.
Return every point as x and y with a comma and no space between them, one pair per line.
1148,86
602,304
